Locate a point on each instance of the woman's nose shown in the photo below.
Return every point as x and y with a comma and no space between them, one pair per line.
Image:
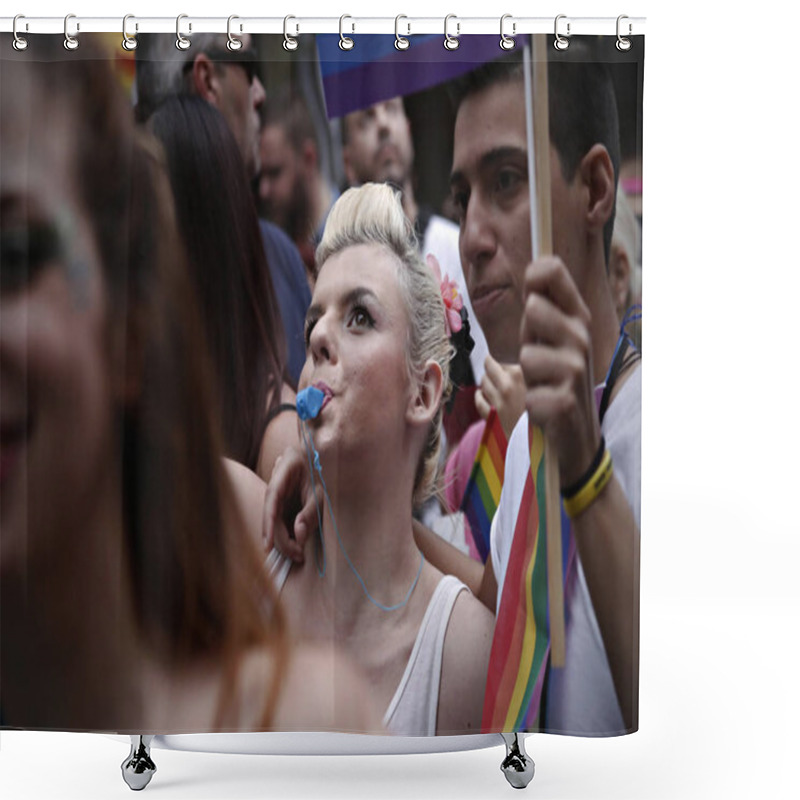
320,341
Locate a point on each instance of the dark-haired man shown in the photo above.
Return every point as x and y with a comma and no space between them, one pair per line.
291,190
556,317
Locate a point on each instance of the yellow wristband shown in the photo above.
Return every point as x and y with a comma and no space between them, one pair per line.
579,502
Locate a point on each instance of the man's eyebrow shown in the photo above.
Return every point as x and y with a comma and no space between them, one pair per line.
490,159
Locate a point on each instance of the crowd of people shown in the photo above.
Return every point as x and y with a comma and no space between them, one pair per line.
179,272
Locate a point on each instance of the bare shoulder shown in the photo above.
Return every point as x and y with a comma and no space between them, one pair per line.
280,434
465,663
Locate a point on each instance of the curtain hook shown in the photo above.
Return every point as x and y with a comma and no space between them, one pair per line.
288,42
345,42
70,42
451,42
623,43
182,43
506,42
19,42
233,43
561,42
400,42
128,42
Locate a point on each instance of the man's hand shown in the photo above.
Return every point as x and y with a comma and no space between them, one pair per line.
290,510
556,360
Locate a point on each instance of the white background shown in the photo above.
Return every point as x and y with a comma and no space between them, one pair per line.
721,449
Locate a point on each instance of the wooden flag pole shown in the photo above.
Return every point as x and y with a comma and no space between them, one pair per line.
538,132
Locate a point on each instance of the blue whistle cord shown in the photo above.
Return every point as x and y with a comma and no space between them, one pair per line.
309,443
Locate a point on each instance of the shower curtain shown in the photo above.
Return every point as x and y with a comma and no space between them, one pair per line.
133,562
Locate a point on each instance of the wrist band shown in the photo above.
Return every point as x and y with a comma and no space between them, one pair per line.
573,489
580,500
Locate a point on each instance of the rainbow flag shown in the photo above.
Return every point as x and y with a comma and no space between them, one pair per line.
518,659
482,495
374,70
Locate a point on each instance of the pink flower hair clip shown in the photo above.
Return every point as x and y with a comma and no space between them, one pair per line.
453,302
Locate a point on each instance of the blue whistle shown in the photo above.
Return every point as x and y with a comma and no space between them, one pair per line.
309,402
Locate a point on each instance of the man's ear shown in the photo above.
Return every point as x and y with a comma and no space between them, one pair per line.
597,174
424,403
205,79
619,276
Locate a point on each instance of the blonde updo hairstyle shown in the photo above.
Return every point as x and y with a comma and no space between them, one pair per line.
373,214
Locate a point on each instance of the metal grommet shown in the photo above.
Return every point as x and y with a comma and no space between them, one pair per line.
561,42
128,42
507,43
400,42
19,43
345,42
288,42
70,42
233,43
182,43
451,42
623,43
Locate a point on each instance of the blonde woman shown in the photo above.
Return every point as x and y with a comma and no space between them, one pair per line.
378,354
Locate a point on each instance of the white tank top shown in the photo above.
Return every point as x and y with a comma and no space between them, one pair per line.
414,707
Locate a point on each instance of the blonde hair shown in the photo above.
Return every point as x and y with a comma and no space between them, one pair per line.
373,214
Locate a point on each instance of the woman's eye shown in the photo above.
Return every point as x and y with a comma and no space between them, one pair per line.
309,327
360,317
23,252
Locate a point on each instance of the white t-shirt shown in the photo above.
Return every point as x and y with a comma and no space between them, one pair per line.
441,240
581,698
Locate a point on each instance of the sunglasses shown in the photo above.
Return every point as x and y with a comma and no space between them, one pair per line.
244,58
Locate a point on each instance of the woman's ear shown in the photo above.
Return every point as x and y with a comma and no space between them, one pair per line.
597,173
425,402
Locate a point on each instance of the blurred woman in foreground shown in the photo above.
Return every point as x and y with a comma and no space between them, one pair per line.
131,594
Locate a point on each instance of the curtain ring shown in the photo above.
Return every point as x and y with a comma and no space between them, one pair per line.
233,43
561,42
623,43
19,42
128,42
451,42
288,42
182,43
70,42
507,43
345,42
400,42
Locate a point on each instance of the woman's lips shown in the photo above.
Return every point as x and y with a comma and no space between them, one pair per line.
326,390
